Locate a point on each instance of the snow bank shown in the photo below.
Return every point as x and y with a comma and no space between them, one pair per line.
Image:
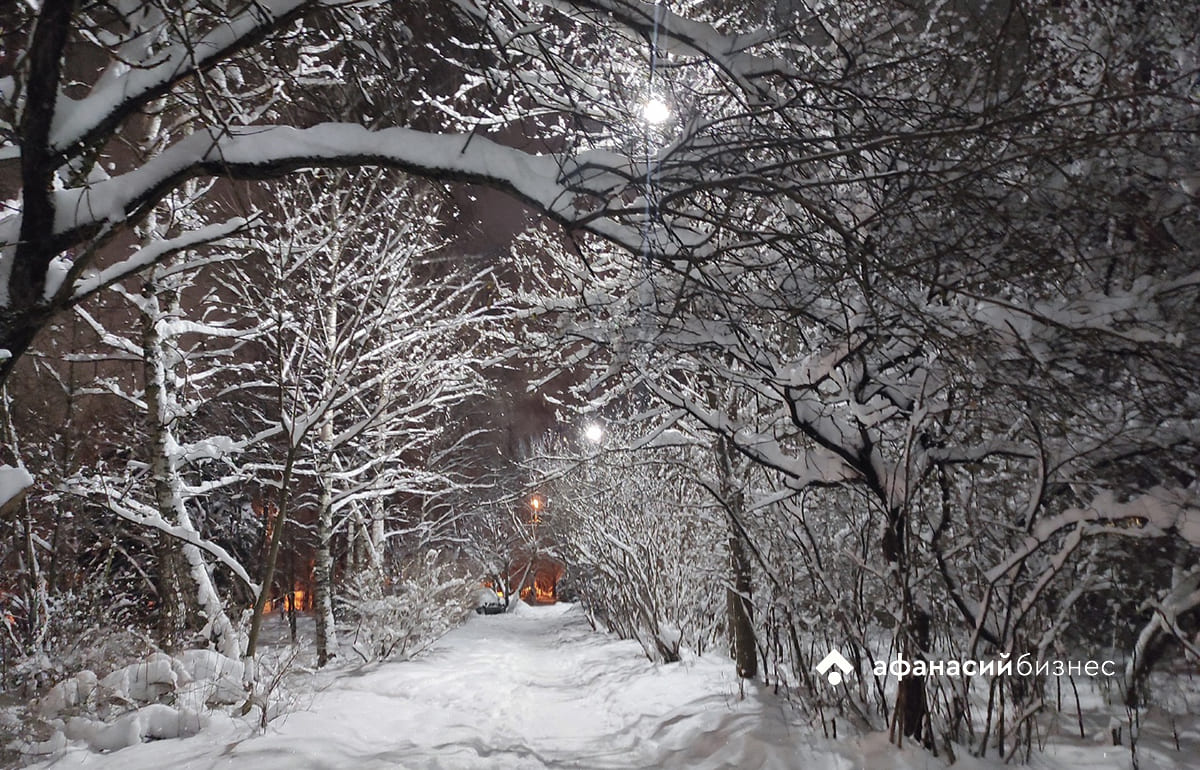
13,481
153,722
218,678
146,680
519,609
126,707
68,694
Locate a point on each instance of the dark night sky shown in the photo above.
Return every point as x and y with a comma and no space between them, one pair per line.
487,223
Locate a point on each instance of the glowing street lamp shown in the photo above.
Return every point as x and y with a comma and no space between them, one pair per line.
655,111
594,433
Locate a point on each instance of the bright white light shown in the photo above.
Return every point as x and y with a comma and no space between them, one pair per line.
593,433
655,111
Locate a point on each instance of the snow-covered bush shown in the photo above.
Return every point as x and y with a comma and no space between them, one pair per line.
157,697
91,629
646,545
403,619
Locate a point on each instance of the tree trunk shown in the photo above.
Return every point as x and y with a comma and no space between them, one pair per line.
373,527
740,609
323,568
1156,636
172,610
738,603
185,584
290,605
912,706
377,532
260,603
323,578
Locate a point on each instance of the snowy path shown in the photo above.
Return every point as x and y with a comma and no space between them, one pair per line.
539,689
535,689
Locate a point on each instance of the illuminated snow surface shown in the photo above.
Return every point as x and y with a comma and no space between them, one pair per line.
539,688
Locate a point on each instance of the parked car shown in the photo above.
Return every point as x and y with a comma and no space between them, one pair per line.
488,602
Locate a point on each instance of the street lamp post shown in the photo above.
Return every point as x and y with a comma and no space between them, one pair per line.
535,503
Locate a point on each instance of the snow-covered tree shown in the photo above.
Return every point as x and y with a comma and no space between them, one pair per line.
943,254
187,356
953,302
368,348
180,379
236,84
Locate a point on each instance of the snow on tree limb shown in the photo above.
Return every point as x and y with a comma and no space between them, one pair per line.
123,88
1158,512
154,252
14,481
144,515
270,151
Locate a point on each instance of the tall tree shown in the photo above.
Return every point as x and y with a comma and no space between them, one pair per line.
188,357
370,348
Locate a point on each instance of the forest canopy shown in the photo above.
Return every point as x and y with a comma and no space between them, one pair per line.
893,296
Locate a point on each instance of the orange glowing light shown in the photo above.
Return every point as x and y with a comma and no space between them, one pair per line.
298,600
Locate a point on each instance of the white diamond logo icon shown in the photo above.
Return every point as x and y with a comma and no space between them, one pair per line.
834,660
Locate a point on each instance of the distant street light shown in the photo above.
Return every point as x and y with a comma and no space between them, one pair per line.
655,111
593,433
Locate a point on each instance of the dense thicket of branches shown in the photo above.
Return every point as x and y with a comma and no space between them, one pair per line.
925,276
938,284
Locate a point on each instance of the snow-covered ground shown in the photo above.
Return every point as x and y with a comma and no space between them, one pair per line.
539,688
